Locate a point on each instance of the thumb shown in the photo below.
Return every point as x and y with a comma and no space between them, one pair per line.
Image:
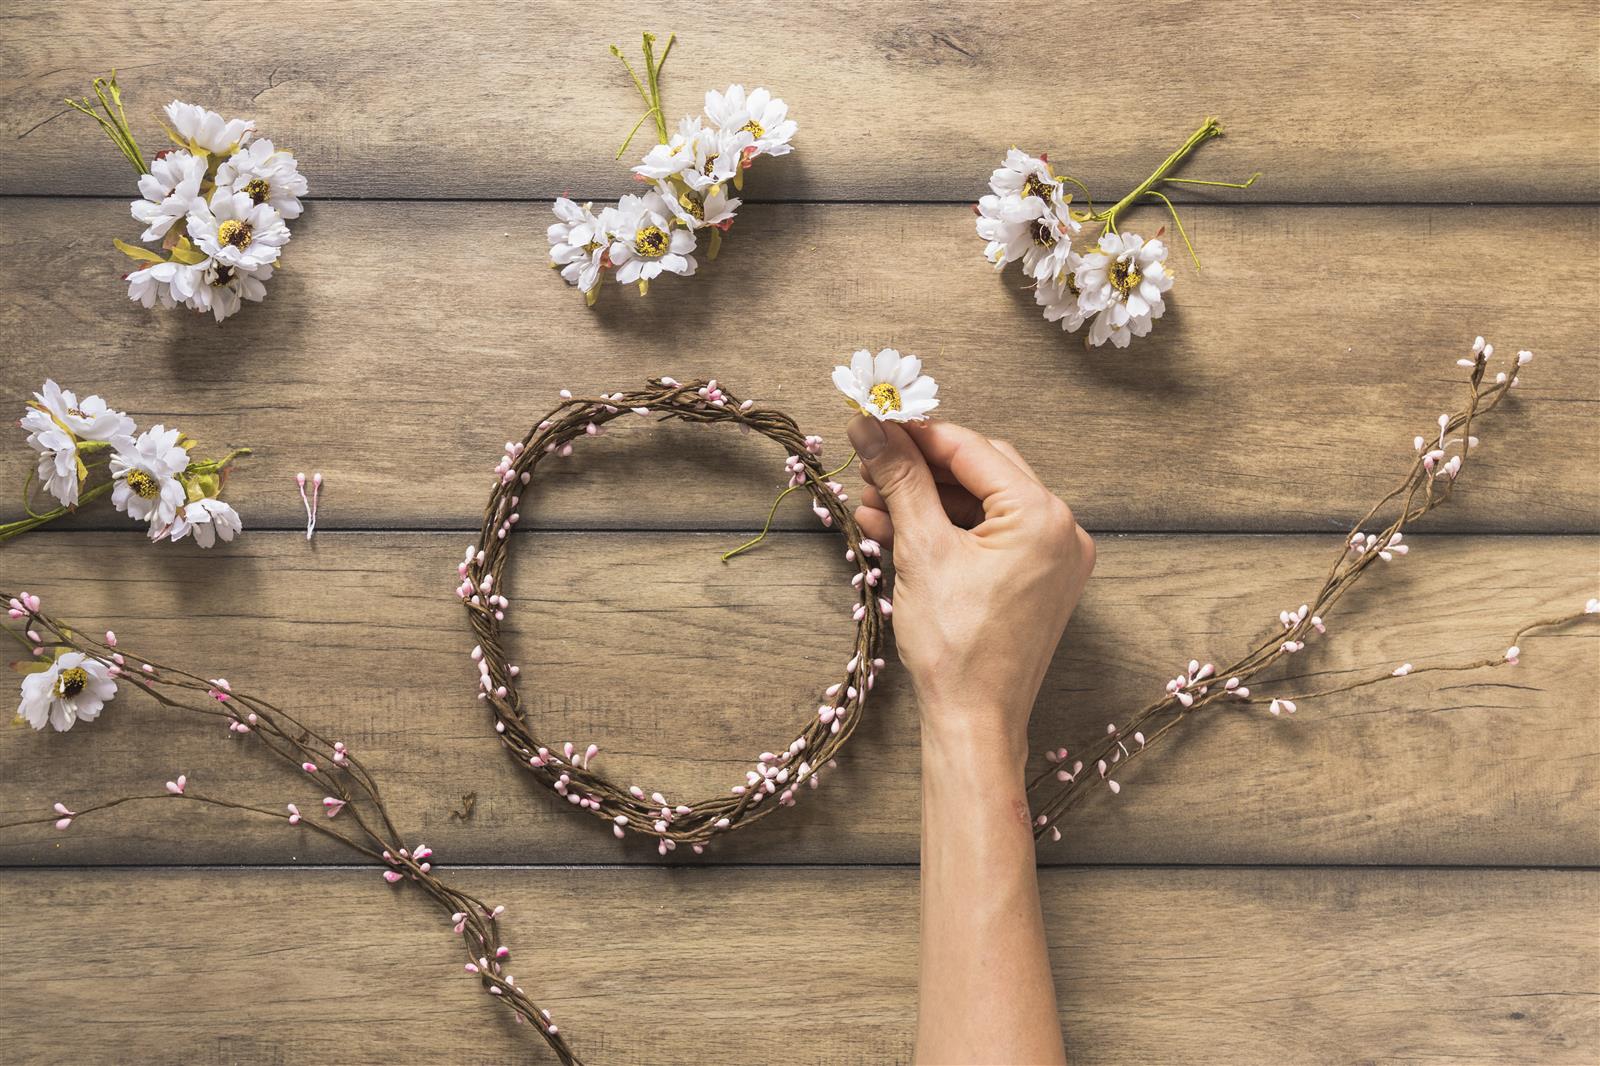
899,472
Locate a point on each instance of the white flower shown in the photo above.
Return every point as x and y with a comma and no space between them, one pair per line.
1121,283
153,284
645,242
674,157
267,176
890,388
169,191
1027,228
87,419
697,210
75,688
207,518
578,241
1024,176
764,117
56,421
146,473
715,157
207,130
236,231
222,289
1059,298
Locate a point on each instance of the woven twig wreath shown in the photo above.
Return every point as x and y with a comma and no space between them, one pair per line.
776,778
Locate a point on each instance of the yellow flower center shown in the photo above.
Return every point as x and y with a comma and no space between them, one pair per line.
711,164
885,397
143,484
651,242
234,232
693,205
1124,276
71,682
1037,186
755,129
258,190
1044,234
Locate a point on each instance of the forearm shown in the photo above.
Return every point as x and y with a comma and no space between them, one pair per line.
986,994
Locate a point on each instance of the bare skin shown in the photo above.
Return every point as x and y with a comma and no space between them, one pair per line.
988,568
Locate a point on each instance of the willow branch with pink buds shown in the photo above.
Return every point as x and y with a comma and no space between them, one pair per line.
350,794
1441,457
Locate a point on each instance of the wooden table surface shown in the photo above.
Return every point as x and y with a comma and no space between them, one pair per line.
1401,876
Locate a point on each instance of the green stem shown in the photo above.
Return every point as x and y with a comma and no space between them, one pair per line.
767,525
1208,129
34,521
115,122
649,87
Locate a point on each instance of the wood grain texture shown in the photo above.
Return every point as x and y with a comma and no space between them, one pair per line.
1238,966
403,345
1424,102
682,669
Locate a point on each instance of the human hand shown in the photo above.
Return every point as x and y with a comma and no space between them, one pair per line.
988,568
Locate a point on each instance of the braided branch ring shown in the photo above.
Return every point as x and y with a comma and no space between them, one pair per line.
566,771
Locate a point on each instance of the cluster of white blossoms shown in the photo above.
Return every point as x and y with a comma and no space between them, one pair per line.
1116,284
689,174
151,476
218,204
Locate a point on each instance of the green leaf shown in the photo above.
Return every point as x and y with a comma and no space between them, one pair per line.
133,251
186,253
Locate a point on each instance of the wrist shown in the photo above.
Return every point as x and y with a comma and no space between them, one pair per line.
982,741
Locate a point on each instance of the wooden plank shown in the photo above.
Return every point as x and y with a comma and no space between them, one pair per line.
1275,965
1427,102
682,669
1281,393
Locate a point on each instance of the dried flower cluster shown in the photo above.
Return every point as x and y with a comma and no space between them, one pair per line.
219,204
689,173
150,476
566,768
1119,281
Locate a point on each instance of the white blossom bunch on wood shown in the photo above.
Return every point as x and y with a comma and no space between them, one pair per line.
1082,267
149,476
689,174
218,204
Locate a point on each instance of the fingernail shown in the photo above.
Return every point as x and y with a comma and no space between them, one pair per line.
866,436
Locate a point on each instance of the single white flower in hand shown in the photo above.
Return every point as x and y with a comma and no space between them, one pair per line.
760,114
207,518
146,474
222,289
74,689
890,387
645,242
1122,281
207,130
267,176
578,242
236,231
170,190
